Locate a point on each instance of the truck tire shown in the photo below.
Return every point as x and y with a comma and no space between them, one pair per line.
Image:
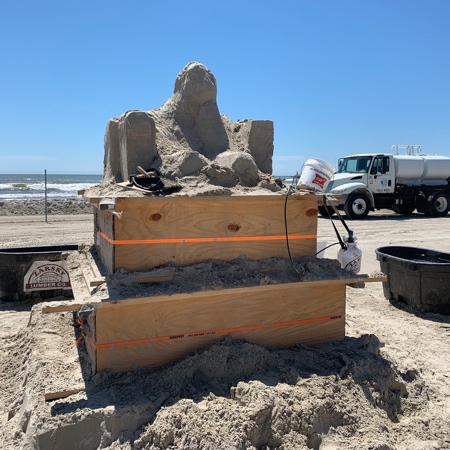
438,204
406,207
325,211
357,206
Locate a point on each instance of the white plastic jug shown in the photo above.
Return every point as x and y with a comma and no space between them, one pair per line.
350,258
316,174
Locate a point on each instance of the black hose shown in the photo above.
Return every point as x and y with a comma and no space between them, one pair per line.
286,228
328,246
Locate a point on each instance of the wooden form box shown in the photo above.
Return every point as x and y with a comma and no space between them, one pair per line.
153,331
138,234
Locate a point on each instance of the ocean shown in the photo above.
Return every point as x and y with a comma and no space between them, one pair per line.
32,186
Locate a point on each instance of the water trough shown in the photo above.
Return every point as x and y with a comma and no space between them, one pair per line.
417,276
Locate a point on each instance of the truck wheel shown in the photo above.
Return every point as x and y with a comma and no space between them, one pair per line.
325,211
357,206
438,204
406,207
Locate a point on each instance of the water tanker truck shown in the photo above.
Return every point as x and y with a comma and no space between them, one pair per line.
400,182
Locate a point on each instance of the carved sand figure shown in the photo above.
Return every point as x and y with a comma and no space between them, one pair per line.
188,137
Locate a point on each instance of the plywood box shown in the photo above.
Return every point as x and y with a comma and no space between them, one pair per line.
153,331
138,234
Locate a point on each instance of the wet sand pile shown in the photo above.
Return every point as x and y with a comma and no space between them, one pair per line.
230,395
217,275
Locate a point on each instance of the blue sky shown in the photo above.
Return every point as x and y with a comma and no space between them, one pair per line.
335,76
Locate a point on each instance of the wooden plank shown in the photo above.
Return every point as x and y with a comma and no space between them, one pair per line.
174,326
96,282
140,257
177,230
147,279
369,280
92,200
104,221
89,342
273,288
61,308
194,217
49,396
76,306
91,274
93,264
97,279
87,275
107,203
158,275
161,353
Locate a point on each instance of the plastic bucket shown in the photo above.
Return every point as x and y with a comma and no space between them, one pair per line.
16,262
316,174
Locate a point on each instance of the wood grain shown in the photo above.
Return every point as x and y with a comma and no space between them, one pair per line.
244,313
104,221
234,218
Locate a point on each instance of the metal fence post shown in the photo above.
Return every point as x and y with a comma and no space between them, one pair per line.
45,193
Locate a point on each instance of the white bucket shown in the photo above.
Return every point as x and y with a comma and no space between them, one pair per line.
316,174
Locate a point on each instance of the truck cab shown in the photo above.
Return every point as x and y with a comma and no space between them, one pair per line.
358,178
372,170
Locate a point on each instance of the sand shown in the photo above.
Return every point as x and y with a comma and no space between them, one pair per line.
386,386
37,207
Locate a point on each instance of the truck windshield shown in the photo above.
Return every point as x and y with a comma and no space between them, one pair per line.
355,164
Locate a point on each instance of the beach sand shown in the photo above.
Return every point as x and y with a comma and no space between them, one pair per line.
386,386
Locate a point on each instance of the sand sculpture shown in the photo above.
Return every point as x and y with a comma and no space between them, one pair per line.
359,393
188,137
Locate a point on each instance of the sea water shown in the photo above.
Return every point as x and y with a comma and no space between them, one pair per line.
33,186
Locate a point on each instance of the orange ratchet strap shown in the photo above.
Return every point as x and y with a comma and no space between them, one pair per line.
205,333
197,240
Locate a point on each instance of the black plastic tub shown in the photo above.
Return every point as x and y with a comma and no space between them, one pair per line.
417,276
16,262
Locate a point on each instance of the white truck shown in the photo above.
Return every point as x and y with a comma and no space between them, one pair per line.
400,182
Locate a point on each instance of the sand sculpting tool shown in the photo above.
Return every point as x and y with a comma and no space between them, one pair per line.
150,180
147,179
149,173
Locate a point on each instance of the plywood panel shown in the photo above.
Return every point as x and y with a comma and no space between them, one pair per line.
183,231
157,354
155,331
89,343
142,257
104,222
182,217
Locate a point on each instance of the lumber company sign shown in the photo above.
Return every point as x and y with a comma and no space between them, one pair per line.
47,275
